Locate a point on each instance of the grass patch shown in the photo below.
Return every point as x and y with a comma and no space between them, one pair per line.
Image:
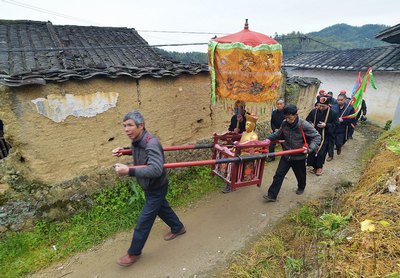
115,209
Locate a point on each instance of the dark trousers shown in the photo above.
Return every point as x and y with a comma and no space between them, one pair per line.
340,139
299,169
331,145
155,204
271,148
317,161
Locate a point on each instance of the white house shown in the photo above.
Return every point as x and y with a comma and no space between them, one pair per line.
338,71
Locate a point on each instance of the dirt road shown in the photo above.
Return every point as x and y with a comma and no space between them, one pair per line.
217,227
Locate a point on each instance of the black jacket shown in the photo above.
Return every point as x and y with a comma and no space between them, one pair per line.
277,118
148,151
293,137
315,116
233,125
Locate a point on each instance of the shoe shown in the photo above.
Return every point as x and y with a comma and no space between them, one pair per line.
269,199
318,172
313,170
329,158
171,236
270,159
299,191
226,189
127,260
339,151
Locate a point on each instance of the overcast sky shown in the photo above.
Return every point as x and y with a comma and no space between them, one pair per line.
210,16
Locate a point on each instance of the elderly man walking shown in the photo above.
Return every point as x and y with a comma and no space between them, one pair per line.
147,150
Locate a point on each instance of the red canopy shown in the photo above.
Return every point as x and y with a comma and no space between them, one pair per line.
247,37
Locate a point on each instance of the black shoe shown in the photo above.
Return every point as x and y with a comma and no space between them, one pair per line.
299,191
270,159
269,199
226,189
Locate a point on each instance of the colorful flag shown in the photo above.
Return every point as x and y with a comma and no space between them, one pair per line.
358,91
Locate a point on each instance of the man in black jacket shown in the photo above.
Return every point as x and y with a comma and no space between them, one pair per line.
324,120
343,109
147,151
295,132
238,121
277,118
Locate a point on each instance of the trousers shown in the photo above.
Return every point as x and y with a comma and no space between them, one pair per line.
155,204
299,169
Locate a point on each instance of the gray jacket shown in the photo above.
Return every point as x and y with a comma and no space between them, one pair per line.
148,151
293,137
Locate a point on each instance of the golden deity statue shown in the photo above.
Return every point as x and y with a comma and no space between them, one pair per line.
249,134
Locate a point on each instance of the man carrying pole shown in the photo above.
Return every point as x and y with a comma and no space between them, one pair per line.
297,133
152,177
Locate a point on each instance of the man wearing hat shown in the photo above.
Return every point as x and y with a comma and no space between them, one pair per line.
324,120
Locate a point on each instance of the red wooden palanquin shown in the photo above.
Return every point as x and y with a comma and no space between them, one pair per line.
230,158
227,145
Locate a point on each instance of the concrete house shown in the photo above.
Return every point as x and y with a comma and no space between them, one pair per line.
338,71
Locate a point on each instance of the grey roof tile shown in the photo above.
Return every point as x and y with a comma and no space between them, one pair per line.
386,58
34,52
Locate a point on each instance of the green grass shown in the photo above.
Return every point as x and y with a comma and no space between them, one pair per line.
116,209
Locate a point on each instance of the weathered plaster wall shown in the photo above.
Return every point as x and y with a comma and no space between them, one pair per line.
54,147
62,131
381,103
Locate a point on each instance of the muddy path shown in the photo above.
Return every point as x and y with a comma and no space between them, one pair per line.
217,227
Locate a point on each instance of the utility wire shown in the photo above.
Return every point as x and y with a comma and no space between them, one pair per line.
38,9
181,32
54,49
283,38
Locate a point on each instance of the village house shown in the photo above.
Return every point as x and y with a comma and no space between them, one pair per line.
338,71
63,93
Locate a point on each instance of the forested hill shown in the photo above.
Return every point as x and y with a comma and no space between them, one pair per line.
338,36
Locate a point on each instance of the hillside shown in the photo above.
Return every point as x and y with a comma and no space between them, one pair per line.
338,36
347,36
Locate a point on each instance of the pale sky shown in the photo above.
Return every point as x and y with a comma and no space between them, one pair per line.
211,16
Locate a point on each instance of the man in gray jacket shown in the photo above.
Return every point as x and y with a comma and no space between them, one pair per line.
152,177
297,134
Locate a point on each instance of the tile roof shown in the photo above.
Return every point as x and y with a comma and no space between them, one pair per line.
385,58
390,35
35,52
303,81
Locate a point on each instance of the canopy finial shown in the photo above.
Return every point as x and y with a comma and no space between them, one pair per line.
246,24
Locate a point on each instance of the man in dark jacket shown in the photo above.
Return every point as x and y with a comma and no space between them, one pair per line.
294,131
277,118
361,115
147,151
238,121
343,109
324,120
